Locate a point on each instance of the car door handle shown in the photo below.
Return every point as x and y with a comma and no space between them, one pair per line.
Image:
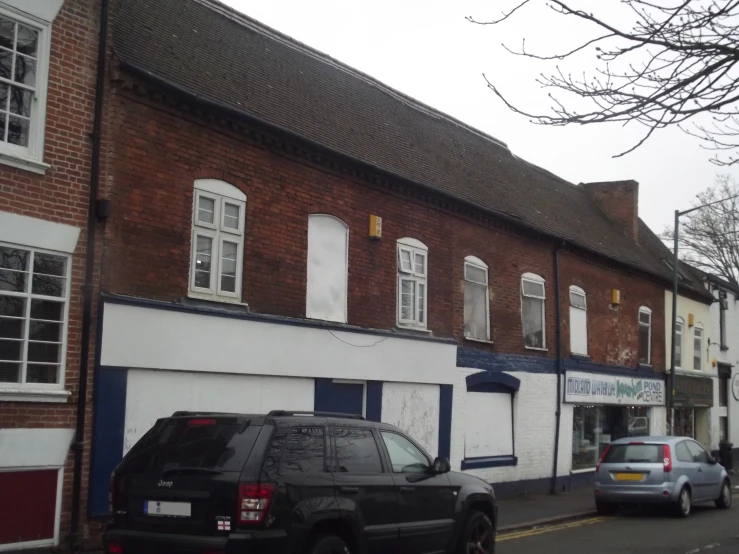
700,470
349,490
407,489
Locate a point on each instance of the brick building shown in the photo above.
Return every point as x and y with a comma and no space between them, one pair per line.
48,62
242,267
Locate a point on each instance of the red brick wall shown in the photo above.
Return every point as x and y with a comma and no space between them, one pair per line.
159,154
61,195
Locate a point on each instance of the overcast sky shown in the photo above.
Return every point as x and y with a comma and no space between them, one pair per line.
427,50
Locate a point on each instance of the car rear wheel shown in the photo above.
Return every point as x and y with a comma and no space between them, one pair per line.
478,536
684,503
604,508
328,544
724,499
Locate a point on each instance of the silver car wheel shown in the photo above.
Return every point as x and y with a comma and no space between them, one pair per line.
685,502
726,494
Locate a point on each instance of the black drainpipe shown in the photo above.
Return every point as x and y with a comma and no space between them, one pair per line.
79,437
558,350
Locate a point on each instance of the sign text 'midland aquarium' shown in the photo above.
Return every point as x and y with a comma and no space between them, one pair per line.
596,388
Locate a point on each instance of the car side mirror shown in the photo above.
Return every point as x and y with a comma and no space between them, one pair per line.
712,460
441,465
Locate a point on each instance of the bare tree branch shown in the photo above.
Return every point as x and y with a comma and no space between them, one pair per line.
678,65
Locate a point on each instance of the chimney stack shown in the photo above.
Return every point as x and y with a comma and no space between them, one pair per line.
620,200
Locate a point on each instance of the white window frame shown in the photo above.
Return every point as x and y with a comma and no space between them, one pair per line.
698,353
680,335
31,157
645,310
477,263
574,289
221,193
41,391
536,279
413,247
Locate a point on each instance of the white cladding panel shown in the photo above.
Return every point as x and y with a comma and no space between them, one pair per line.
489,427
414,409
144,337
153,394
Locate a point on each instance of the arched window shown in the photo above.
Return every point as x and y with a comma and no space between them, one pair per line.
328,267
476,301
578,321
533,301
645,335
698,347
217,241
412,283
679,341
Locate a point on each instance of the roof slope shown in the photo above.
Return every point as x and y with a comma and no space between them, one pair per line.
230,59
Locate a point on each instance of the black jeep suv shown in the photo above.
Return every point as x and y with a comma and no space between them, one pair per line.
293,483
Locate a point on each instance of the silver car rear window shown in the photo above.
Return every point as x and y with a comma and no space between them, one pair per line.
634,453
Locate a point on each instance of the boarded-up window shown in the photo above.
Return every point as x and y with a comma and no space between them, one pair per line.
328,265
28,506
578,321
489,425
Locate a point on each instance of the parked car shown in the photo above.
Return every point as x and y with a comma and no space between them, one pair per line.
292,483
660,470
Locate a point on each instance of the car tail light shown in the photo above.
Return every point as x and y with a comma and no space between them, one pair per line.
667,458
254,502
115,548
111,491
202,422
602,457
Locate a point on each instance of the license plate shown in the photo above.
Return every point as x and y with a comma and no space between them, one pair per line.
629,476
167,509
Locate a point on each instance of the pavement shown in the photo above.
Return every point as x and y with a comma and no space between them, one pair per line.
534,510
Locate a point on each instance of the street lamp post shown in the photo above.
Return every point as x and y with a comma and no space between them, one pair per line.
675,262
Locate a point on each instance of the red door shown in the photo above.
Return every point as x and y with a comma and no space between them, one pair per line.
27,505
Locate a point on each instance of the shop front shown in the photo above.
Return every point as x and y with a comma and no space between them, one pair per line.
607,408
692,404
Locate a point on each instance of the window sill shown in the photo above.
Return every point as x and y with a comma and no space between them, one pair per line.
20,162
579,471
216,300
647,366
580,357
419,330
536,349
483,341
8,394
489,461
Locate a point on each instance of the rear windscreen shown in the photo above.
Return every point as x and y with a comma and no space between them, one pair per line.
634,453
220,444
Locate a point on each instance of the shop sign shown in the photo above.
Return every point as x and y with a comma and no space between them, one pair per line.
597,388
735,386
693,391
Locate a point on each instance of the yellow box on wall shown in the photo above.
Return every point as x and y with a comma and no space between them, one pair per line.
691,320
375,227
615,297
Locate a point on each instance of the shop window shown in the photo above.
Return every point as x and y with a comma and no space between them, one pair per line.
217,241
645,335
412,283
578,321
34,306
476,301
698,347
595,427
328,267
533,298
684,422
679,328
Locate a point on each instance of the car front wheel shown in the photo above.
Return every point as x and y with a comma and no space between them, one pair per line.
724,499
478,536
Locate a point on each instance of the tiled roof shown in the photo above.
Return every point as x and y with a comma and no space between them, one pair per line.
224,57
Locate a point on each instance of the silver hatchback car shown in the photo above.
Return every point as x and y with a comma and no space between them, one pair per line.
659,470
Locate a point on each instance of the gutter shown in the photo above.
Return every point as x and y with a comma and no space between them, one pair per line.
79,439
512,220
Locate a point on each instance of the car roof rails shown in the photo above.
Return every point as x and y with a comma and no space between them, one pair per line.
286,413
181,413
